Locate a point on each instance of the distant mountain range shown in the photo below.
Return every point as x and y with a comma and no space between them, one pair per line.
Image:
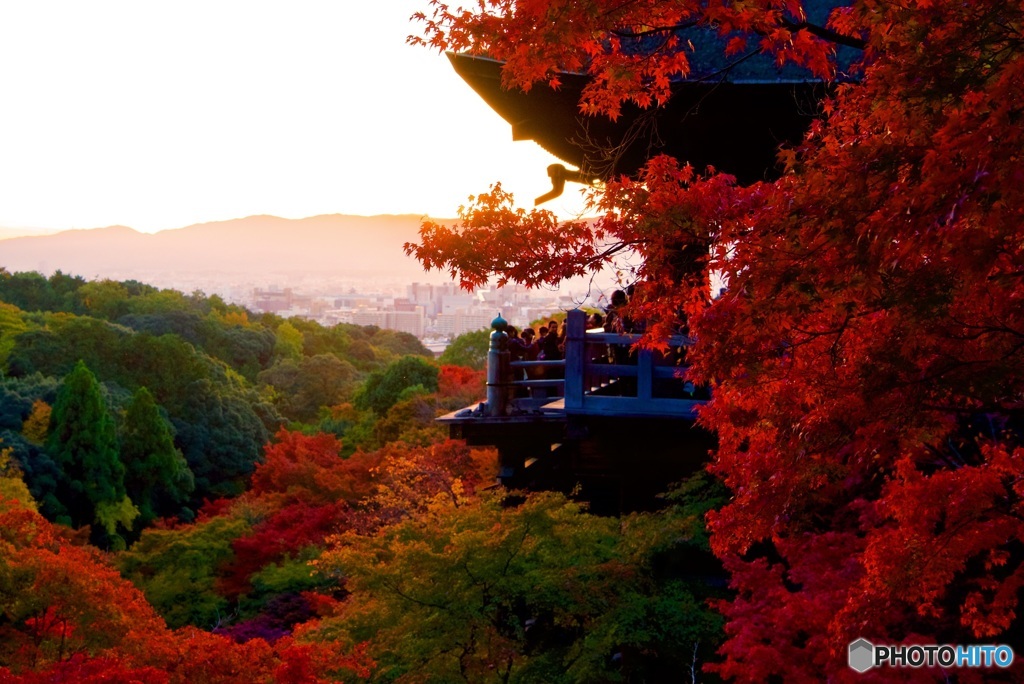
335,245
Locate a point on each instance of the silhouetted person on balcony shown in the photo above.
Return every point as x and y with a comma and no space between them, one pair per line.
551,346
513,340
529,350
613,315
517,345
615,322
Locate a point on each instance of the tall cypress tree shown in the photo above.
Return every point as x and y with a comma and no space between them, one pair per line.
157,475
83,442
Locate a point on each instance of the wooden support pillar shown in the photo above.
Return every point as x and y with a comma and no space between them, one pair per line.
575,358
499,373
512,457
644,374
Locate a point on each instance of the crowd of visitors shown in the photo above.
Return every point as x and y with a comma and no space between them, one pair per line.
547,343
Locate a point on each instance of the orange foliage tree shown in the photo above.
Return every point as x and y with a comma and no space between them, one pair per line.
304,490
60,600
867,361
458,386
67,615
309,469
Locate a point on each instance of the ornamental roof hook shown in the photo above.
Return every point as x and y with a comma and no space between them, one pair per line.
559,175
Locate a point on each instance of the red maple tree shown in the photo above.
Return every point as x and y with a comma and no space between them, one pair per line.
67,615
866,361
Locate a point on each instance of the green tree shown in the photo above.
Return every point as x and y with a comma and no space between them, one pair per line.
32,291
320,340
27,291
383,388
305,386
64,339
177,569
83,441
162,301
65,291
289,341
411,419
105,299
398,343
534,591
221,437
247,350
468,350
157,476
12,324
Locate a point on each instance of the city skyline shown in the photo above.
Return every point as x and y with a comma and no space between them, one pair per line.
332,269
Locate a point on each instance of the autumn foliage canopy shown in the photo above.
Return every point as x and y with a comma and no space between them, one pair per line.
69,616
866,361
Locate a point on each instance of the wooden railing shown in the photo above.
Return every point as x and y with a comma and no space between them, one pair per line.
602,374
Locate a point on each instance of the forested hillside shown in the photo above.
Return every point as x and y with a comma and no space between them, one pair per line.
221,382
193,493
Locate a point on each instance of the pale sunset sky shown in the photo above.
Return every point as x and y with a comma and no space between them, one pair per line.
158,115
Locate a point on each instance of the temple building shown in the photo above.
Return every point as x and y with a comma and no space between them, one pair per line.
612,423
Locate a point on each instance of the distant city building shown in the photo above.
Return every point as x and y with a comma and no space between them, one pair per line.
411,322
432,312
455,324
276,301
431,296
403,304
457,302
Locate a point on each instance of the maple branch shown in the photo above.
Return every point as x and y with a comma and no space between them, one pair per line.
958,365
824,33
982,330
484,585
840,327
394,587
1006,408
618,8
615,249
519,547
649,32
834,349
467,650
1010,513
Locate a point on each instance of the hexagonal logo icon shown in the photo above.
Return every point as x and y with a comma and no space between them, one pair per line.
862,655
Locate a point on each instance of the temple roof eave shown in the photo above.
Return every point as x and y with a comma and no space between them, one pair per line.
734,125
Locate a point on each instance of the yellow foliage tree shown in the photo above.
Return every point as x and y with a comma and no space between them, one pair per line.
239,318
12,486
37,425
289,341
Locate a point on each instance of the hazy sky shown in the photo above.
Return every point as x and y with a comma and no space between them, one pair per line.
162,114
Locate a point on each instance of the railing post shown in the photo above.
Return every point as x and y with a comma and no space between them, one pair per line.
644,374
498,369
575,358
